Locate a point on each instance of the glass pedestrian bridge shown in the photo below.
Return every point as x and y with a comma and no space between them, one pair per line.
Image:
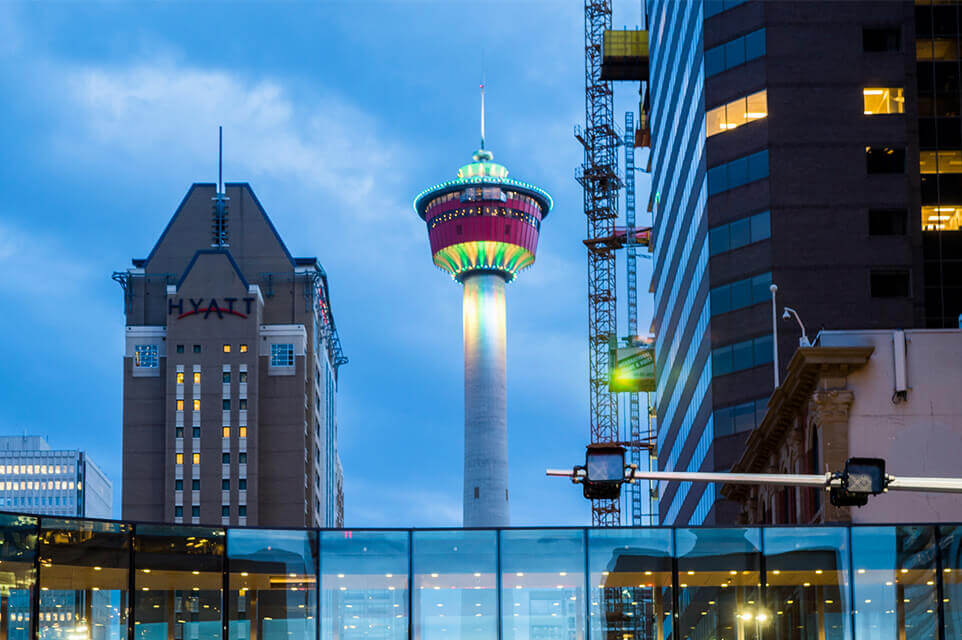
75,579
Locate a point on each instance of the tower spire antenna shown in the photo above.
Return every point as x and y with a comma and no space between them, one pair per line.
482,111
220,159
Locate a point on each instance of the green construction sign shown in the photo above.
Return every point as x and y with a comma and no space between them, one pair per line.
632,369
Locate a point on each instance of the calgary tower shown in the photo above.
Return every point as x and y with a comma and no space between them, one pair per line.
483,228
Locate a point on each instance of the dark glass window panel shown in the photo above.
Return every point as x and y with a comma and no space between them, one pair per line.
179,432
741,293
196,348
714,61
242,377
225,484
242,484
923,20
945,20
195,432
225,458
755,44
721,361
723,422
226,376
763,350
178,512
877,39
950,551
889,284
243,404
760,285
224,511
930,189
743,416
887,222
741,233
946,77
738,173
178,485
950,187
225,404
742,357
242,511
717,179
885,160
718,241
630,583
195,512
928,133
758,166
761,406
761,226
735,52
720,300
195,484
180,348
242,458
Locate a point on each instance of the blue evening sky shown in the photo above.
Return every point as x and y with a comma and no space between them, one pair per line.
337,113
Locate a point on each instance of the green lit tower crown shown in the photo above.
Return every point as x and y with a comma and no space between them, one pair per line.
483,228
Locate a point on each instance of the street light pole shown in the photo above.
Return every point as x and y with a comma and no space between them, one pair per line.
773,289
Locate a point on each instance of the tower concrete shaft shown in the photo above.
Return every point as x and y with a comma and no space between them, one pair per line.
485,402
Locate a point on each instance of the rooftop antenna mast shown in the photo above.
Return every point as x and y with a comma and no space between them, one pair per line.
219,230
482,110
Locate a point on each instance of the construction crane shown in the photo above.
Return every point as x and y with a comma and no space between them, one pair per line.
598,176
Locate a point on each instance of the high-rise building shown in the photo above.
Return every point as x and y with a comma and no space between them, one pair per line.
59,482
230,373
812,145
483,228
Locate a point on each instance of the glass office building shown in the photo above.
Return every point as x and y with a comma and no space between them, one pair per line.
76,579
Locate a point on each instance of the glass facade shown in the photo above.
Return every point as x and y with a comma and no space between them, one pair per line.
75,579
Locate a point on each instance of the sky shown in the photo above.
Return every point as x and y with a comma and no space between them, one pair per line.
337,113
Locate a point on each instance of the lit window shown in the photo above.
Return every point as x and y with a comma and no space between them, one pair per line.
195,458
880,100
145,356
282,355
243,376
940,161
180,405
180,377
180,458
196,405
243,432
243,348
736,113
197,377
226,432
942,218
226,348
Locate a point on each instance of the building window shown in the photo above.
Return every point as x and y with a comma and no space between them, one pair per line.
180,458
936,49
242,511
949,161
243,348
713,7
196,404
736,113
242,484
739,233
942,218
225,404
887,222
740,417
741,355
180,377
180,405
196,348
178,512
226,348
225,484
195,484
243,404
226,377
197,377
195,511
195,432
883,100
178,485
739,172
741,294
225,511
225,458
242,458
282,355
735,52
180,348
243,376
892,283
879,39
145,356
885,159
195,458
226,432
179,432
243,432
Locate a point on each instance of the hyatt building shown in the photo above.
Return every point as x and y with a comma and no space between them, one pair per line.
230,373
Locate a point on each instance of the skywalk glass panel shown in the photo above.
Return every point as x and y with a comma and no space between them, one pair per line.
542,584
18,551
364,585
455,585
273,584
84,571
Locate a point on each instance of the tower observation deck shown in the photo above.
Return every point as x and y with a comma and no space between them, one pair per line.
483,229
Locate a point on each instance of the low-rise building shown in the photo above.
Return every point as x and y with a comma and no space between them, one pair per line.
893,395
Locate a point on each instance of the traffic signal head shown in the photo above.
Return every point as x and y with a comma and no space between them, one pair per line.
604,471
863,477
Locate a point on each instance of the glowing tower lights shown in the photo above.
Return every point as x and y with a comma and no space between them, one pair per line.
483,229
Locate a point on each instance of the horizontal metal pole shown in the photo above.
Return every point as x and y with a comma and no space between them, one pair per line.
943,485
